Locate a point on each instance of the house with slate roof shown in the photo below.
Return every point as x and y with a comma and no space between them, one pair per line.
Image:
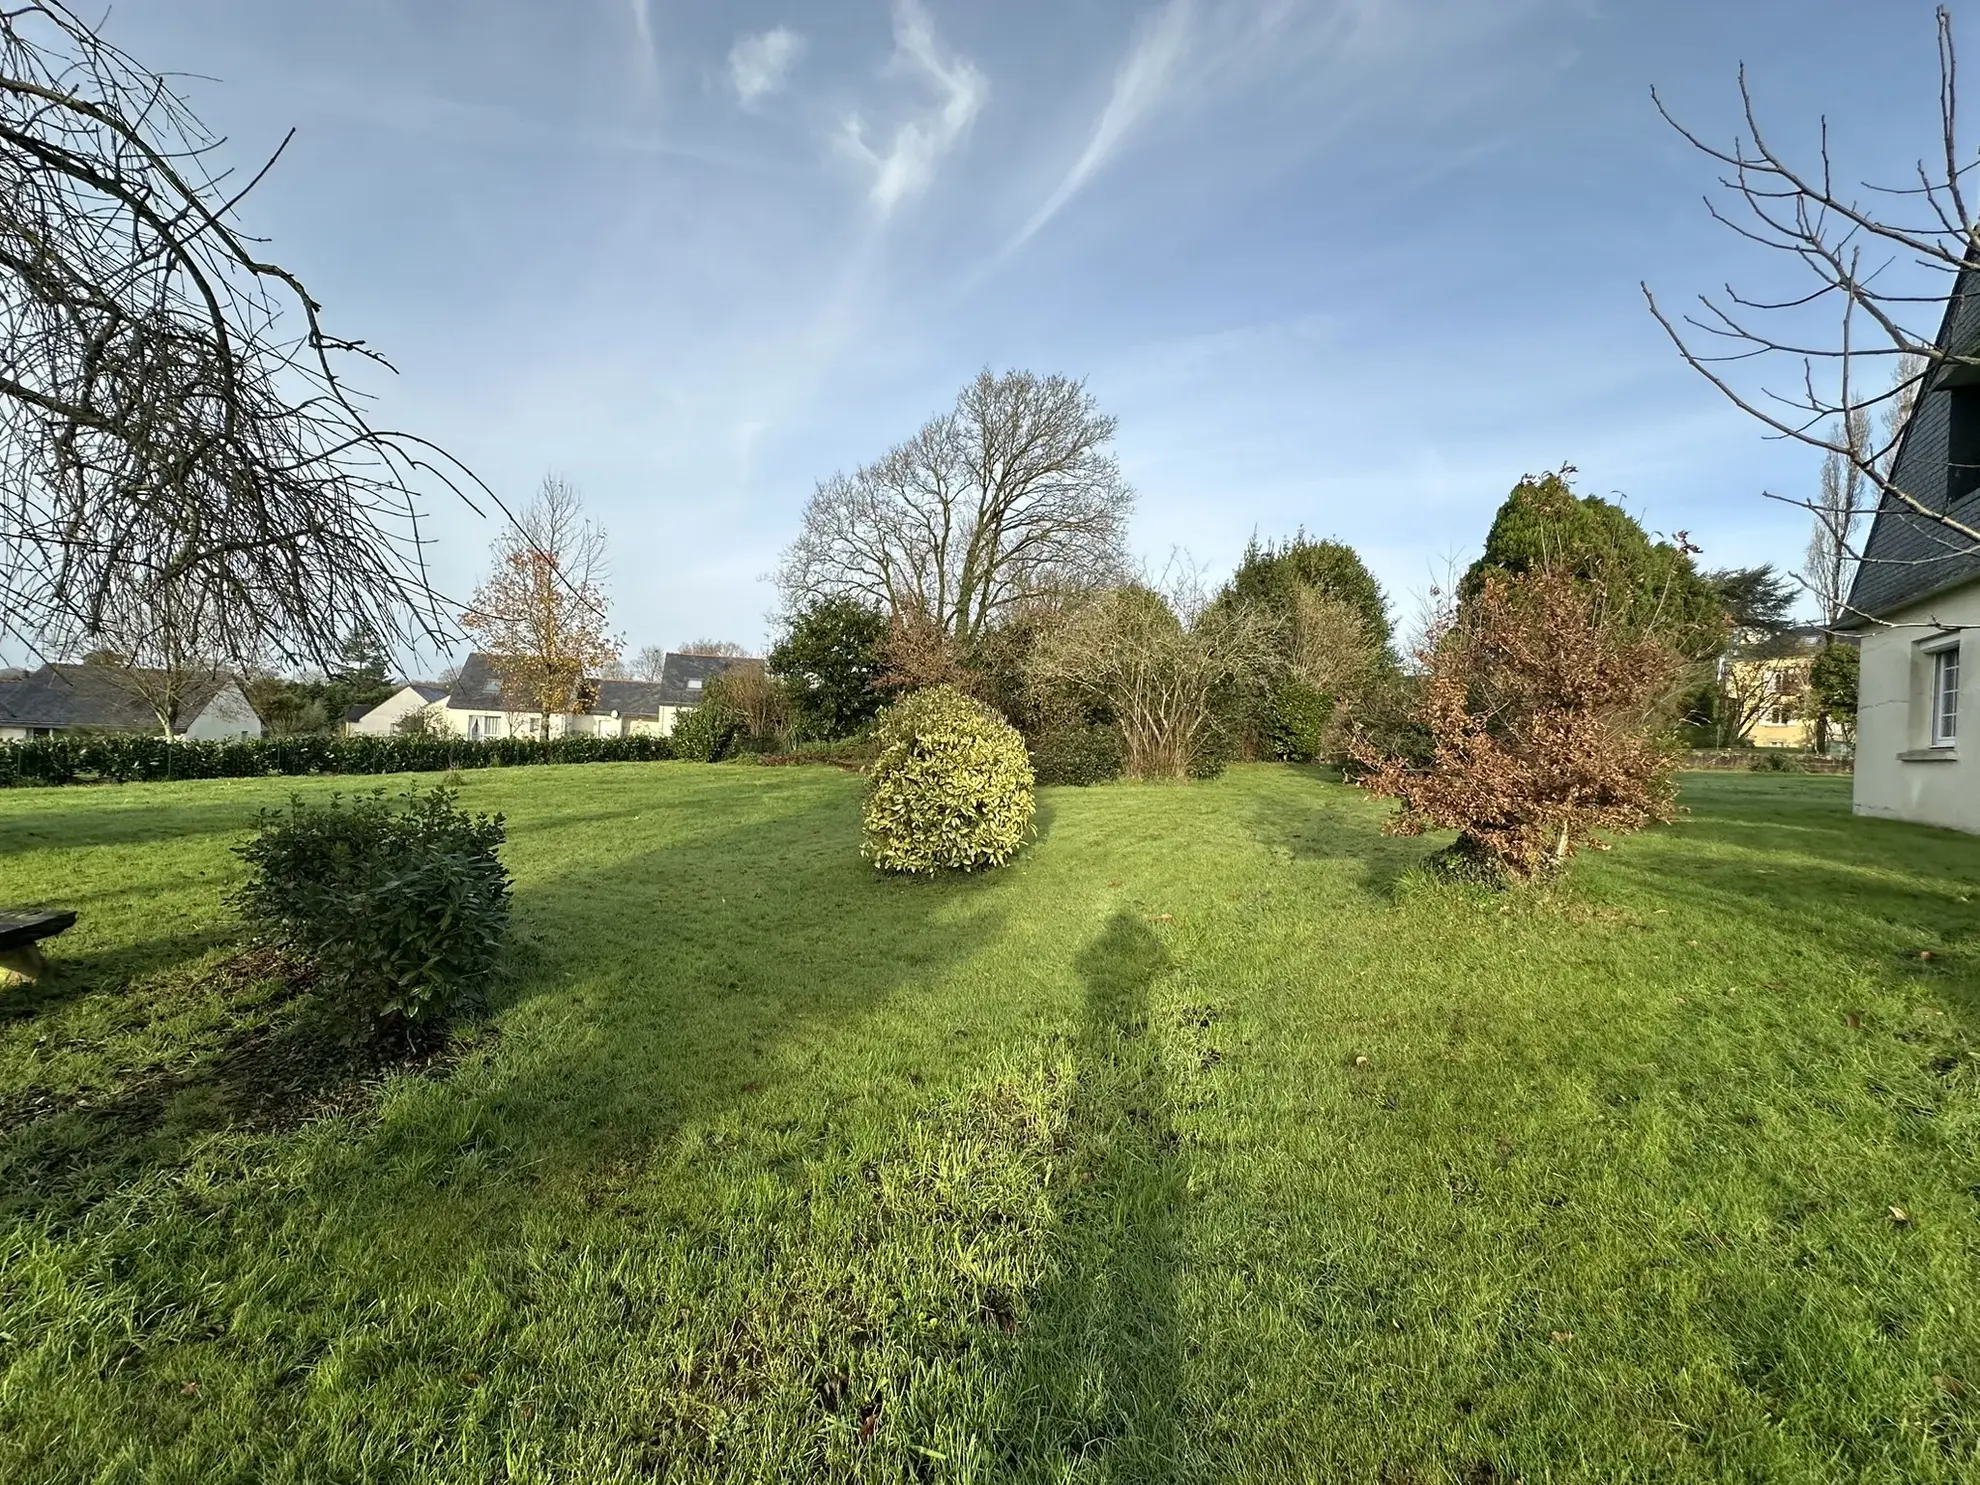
97,698
1916,597
477,706
415,696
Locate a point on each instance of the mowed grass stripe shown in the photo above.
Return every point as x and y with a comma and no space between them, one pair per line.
1203,1143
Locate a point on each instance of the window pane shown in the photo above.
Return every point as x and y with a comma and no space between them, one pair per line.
1945,696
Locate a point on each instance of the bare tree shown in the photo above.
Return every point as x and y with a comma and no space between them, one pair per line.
154,642
727,647
1866,262
649,664
173,411
541,614
1010,496
1164,663
1839,510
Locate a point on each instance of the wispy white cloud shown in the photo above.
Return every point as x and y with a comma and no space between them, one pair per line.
642,18
1142,83
760,64
904,166
1186,56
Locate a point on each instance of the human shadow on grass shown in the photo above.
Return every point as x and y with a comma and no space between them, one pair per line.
1100,1360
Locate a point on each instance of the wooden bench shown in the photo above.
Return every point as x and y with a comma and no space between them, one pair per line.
20,940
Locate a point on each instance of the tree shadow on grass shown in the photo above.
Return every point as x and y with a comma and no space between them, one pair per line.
1095,1386
656,979
1900,899
676,981
1328,820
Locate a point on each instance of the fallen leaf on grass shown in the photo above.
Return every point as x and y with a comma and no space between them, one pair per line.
1853,1020
191,1389
1927,954
1361,1062
1163,918
1561,1337
1900,1216
1950,1385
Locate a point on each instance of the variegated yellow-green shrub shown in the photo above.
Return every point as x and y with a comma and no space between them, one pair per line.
951,789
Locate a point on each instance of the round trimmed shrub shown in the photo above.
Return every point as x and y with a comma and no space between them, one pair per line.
952,788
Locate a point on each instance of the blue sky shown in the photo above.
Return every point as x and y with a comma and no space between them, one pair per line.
1346,265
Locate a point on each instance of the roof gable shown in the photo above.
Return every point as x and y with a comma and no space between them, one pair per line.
99,696
1909,556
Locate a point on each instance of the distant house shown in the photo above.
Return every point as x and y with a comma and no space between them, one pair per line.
1767,679
97,698
415,696
1916,597
478,706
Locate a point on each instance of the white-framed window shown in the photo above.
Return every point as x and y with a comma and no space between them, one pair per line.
1944,696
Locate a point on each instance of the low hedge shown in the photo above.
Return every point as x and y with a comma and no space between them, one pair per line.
129,758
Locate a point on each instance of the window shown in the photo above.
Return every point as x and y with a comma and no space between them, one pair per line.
1780,716
1962,441
1945,697
694,683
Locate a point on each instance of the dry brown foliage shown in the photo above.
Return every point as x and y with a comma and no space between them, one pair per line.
919,652
1545,715
540,615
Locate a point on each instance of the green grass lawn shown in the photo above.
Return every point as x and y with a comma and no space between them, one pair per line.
1201,1144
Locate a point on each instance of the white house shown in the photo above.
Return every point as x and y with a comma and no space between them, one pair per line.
475,705
99,698
1916,598
416,696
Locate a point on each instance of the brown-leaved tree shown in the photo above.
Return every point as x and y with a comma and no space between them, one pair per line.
1546,714
540,616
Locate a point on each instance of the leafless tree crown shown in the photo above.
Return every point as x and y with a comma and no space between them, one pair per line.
1011,496
173,410
1853,331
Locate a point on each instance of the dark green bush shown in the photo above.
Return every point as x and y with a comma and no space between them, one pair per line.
400,906
708,734
1773,760
1293,724
126,758
1077,753
951,789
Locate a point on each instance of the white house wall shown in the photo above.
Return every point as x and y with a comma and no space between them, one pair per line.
226,716
1899,776
386,716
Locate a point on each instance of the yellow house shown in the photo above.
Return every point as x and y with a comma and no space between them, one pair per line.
1765,688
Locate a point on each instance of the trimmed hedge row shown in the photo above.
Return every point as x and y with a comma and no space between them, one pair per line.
130,758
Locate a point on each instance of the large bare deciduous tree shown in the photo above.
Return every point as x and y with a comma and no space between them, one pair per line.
174,412
1848,324
1011,496
541,614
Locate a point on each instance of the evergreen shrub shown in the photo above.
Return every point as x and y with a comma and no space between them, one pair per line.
952,788
400,906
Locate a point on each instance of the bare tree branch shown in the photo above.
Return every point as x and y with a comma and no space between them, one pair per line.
173,412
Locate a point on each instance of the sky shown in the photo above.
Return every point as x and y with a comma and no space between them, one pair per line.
1347,266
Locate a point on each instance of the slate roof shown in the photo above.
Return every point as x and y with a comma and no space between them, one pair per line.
92,696
429,691
683,676
1909,557
479,688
